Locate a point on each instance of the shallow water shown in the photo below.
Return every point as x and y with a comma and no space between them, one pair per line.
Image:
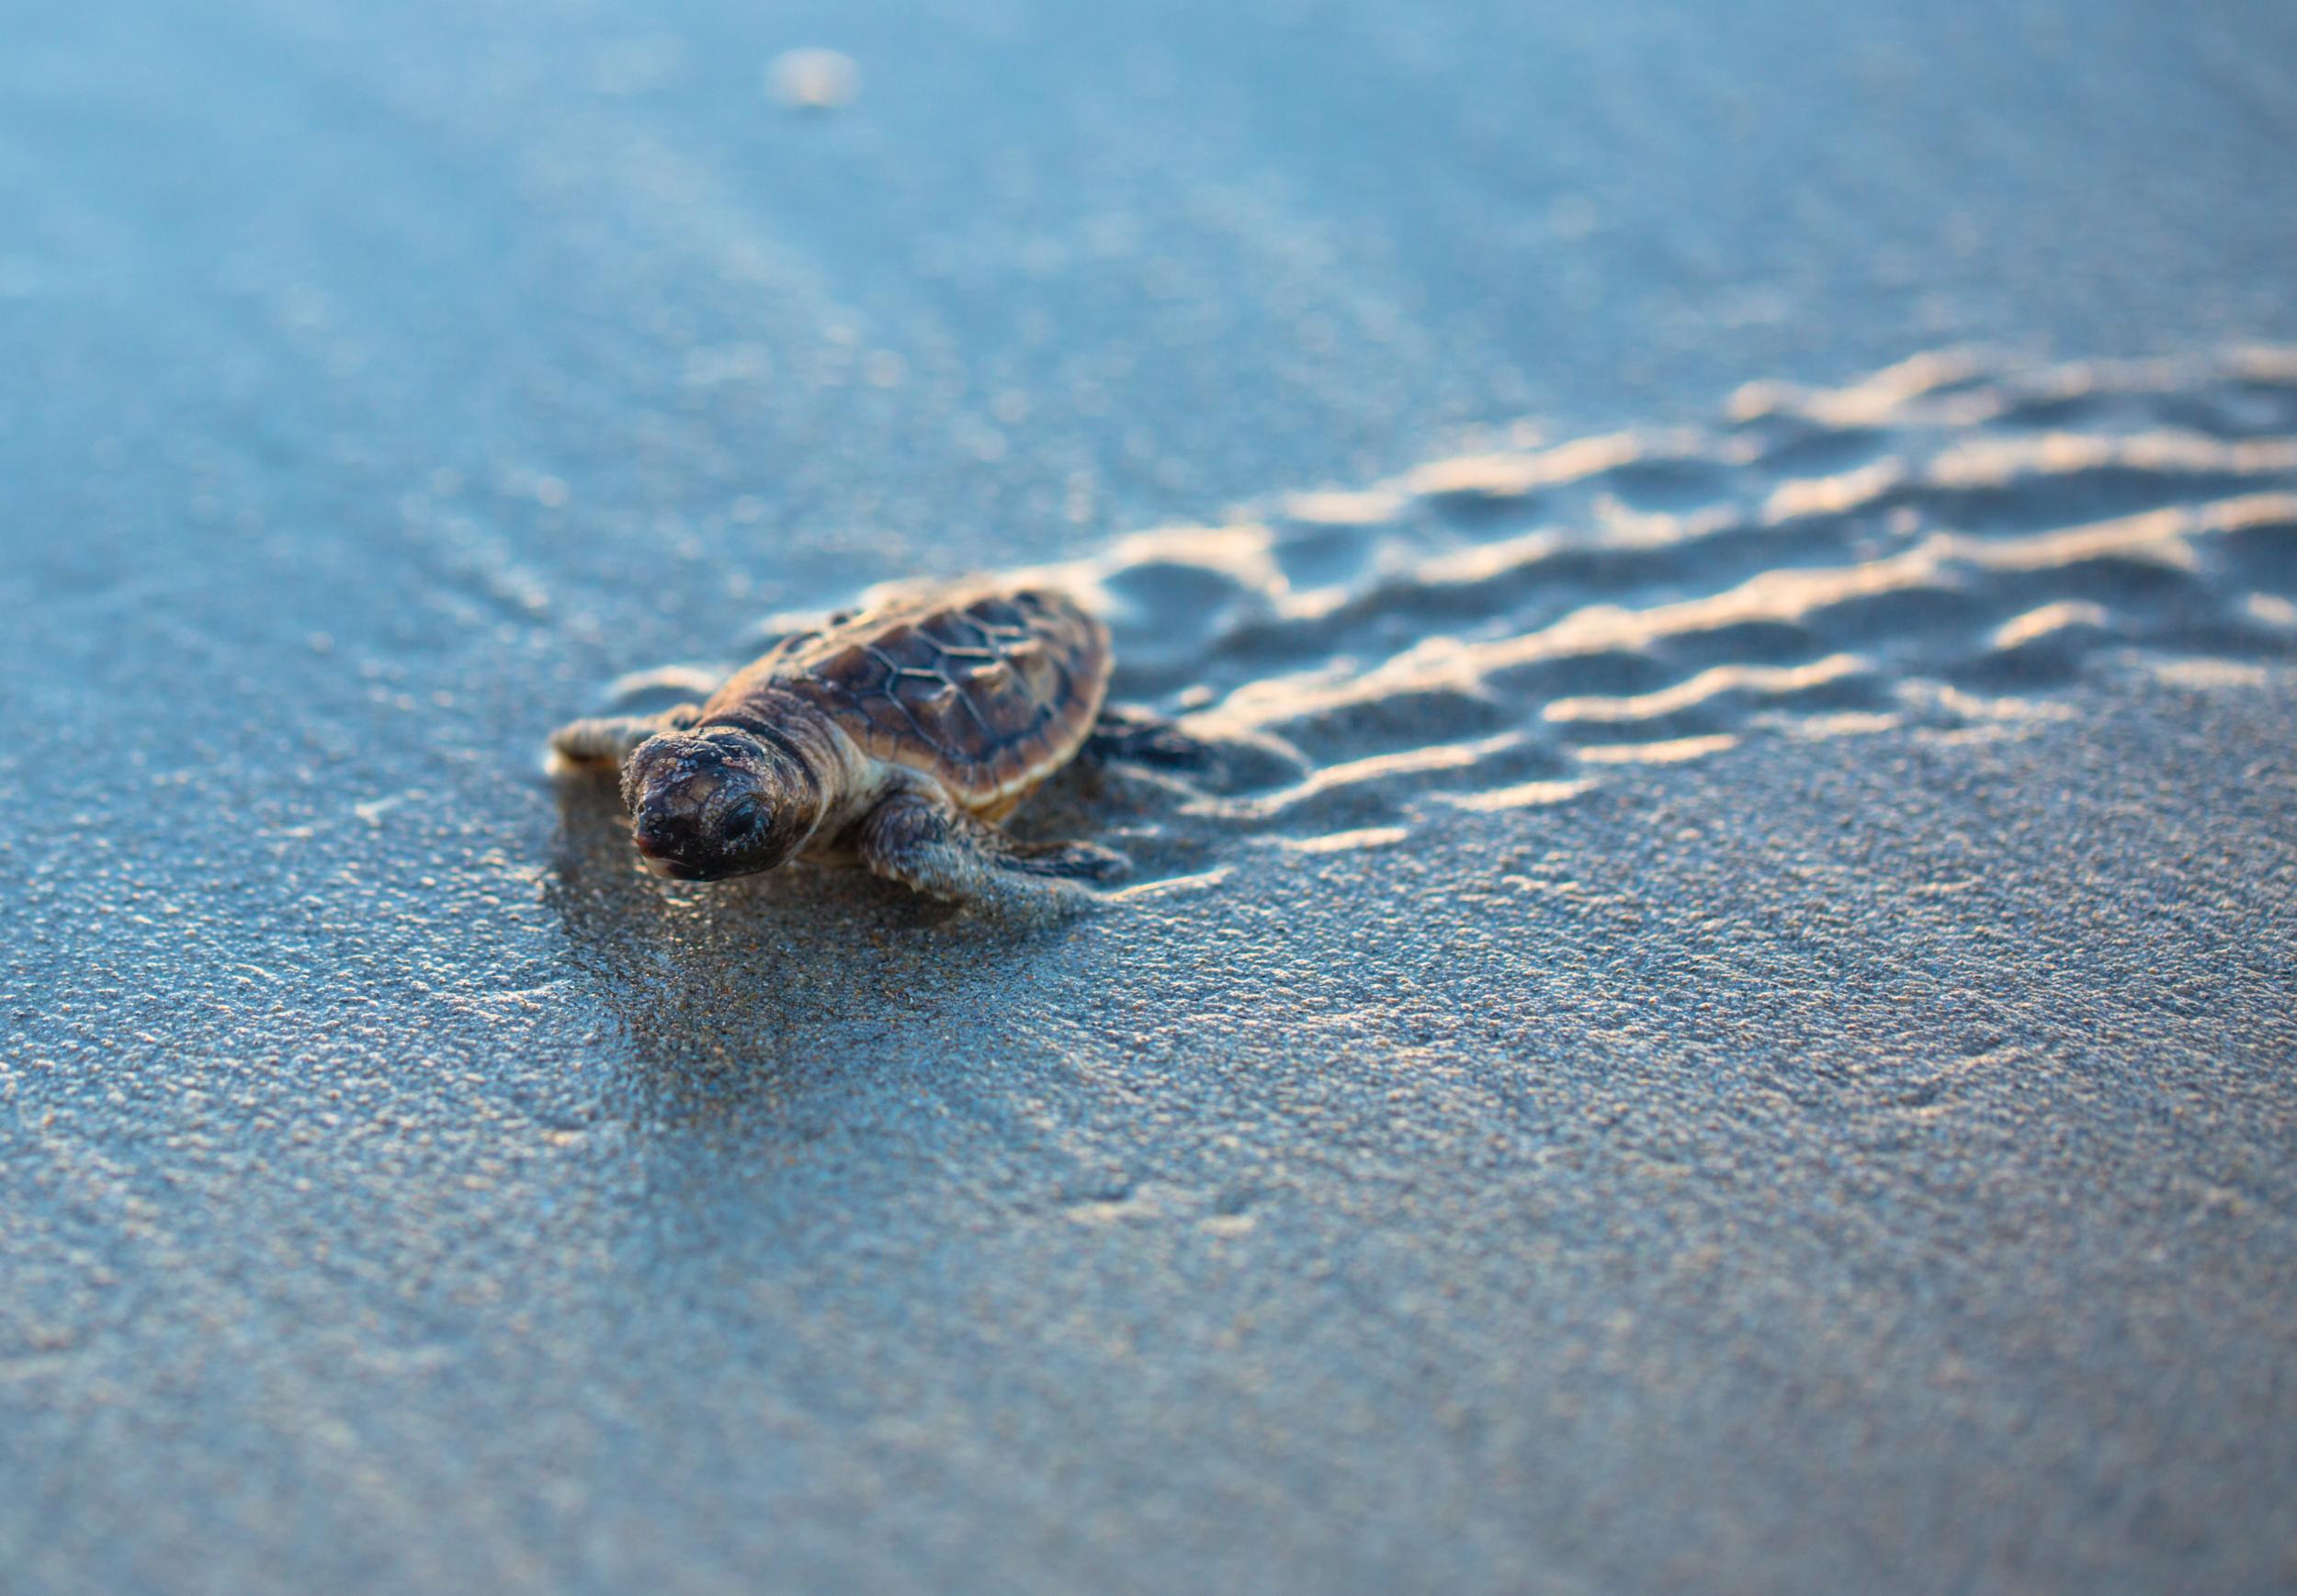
1726,1023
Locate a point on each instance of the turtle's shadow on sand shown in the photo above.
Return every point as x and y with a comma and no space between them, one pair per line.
736,989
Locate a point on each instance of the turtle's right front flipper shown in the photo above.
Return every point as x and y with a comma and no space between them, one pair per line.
604,741
929,846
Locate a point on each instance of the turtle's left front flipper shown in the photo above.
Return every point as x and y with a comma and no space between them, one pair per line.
933,847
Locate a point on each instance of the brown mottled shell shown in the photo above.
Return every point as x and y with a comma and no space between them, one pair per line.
989,689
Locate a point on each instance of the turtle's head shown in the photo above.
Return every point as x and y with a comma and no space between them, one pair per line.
719,802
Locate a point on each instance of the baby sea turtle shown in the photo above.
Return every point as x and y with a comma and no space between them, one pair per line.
893,737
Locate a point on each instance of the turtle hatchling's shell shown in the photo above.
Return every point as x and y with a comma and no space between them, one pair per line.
990,689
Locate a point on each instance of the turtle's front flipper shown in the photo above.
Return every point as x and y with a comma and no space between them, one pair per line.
605,742
1065,861
928,846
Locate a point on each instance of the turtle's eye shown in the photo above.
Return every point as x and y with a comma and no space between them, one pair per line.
745,818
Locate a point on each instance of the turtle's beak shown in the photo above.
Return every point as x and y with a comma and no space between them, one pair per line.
651,855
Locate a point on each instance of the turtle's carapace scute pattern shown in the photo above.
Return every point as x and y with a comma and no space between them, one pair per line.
986,690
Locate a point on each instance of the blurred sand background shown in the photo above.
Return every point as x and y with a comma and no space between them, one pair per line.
1731,1027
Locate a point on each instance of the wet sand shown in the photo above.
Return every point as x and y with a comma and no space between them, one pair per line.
1725,1024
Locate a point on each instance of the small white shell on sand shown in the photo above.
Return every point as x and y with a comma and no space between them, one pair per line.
814,79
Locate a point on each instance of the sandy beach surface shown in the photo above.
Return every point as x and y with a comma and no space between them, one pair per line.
1726,1022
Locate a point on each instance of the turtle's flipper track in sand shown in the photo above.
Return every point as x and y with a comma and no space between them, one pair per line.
1944,546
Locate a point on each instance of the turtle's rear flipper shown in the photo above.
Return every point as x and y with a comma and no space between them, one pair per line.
931,847
1124,735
